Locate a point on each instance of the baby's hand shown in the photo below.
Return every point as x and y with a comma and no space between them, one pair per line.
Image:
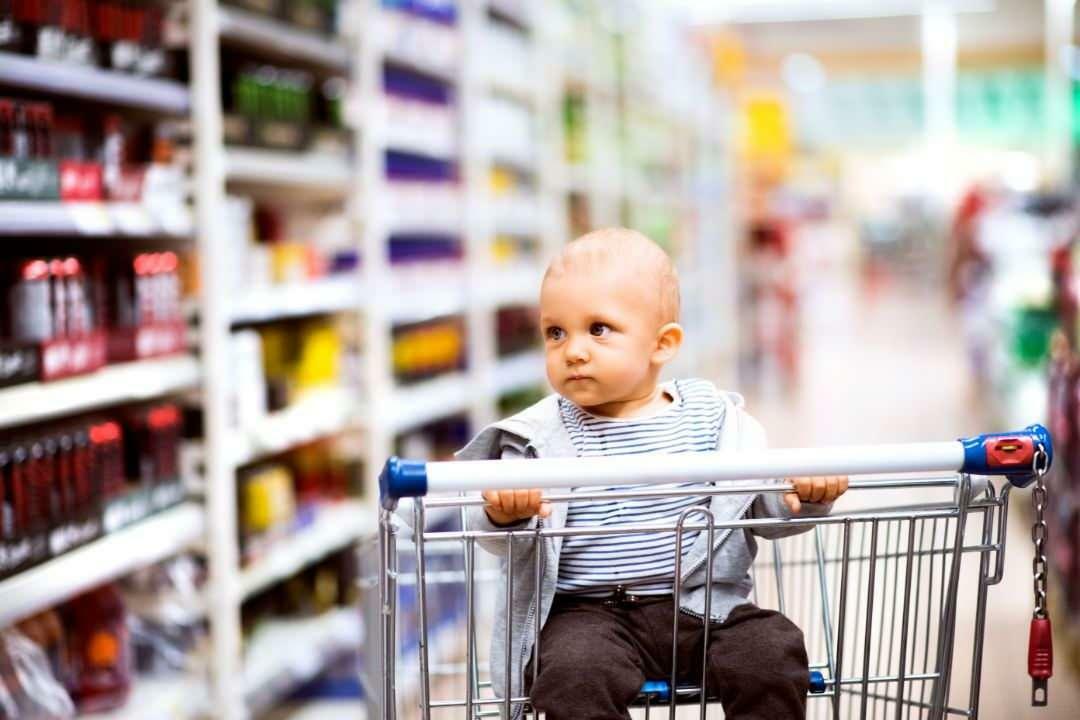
814,489
505,507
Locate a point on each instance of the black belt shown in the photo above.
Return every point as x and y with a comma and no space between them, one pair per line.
619,597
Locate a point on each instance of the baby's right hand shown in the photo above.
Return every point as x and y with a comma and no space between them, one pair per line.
505,507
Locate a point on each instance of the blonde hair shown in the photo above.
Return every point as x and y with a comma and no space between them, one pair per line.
627,250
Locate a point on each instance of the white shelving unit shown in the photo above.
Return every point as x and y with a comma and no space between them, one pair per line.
556,50
112,385
106,86
112,556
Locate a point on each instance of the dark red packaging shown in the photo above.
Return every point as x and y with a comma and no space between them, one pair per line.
7,127
7,512
107,458
101,650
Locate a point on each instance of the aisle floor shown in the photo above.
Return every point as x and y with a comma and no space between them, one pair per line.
891,368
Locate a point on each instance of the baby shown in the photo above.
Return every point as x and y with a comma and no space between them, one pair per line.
609,310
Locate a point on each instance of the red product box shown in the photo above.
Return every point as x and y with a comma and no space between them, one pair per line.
147,341
80,181
66,357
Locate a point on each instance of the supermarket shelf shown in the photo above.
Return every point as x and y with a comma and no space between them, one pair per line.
113,556
285,654
311,171
519,371
335,527
515,285
428,401
273,302
127,382
281,39
109,86
320,413
182,697
95,219
417,302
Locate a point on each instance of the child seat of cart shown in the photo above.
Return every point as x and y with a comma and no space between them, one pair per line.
660,691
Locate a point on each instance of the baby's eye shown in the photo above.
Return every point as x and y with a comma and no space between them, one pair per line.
555,333
599,329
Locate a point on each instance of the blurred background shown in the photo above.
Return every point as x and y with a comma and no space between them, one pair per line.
251,248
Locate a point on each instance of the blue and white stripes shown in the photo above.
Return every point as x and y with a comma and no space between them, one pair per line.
646,563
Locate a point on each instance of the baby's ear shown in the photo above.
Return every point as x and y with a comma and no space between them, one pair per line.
668,341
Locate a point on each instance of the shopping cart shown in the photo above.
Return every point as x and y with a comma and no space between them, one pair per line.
892,609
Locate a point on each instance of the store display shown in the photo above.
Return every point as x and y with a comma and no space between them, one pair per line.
102,663
299,357
517,330
122,35
65,318
434,441
27,681
64,484
423,350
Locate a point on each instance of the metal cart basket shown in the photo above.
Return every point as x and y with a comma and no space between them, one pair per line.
890,589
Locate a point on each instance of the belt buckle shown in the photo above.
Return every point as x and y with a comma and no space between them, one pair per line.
621,598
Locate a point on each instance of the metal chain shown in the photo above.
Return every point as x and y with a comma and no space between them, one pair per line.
1039,566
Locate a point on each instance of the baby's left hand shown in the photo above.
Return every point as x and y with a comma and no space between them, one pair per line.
814,489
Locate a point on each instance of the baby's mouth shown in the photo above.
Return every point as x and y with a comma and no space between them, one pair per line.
573,378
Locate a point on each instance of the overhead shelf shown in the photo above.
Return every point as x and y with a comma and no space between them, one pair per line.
321,172
108,86
430,400
320,413
335,527
519,371
95,219
280,39
283,655
273,302
427,298
127,382
515,285
146,542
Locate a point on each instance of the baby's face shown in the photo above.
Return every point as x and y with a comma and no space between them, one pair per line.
600,331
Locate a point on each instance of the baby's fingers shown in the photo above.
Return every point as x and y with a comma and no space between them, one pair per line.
793,503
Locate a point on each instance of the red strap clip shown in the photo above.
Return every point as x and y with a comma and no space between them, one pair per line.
1040,659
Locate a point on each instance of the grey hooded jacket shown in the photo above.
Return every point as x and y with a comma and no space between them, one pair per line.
538,432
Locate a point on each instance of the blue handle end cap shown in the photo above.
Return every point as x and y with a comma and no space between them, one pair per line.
817,682
401,478
981,457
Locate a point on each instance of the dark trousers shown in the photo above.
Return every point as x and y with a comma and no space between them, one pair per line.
595,656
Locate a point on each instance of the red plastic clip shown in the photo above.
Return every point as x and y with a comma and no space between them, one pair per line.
1040,659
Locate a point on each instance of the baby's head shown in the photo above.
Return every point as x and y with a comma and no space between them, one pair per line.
609,312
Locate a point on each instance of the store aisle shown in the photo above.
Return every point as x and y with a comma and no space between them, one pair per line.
890,368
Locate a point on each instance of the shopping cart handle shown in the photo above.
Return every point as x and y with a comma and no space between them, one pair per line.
1016,456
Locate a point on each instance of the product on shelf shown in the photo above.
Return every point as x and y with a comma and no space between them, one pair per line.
435,441
28,685
122,35
64,484
277,498
62,321
422,350
301,356
314,15
51,153
145,311
51,312
28,169
102,663
330,583
282,108
517,330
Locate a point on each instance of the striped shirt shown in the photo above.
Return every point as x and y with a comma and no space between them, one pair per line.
595,565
